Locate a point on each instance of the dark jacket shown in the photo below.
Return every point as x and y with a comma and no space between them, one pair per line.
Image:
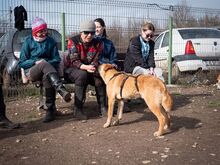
20,16
80,53
134,57
108,54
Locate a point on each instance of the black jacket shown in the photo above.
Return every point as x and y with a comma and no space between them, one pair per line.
134,55
20,16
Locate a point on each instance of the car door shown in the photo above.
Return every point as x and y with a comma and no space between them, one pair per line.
161,50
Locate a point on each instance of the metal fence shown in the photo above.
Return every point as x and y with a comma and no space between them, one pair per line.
122,18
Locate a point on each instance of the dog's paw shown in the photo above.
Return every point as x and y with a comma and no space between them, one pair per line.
106,125
157,133
116,122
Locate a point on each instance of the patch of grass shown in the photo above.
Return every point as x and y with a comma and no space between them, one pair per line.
176,94
32,92
32,116
214,104
16,92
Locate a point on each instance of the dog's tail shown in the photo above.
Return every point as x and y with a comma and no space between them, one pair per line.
167,101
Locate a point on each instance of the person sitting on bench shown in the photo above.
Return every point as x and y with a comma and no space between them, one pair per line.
39,58
81,67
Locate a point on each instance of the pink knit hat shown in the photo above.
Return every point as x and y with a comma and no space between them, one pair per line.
38,24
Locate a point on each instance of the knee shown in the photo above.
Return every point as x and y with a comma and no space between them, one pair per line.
44,64
46,67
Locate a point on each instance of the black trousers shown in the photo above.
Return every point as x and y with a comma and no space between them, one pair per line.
83,78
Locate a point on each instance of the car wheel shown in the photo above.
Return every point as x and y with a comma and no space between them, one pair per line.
175,72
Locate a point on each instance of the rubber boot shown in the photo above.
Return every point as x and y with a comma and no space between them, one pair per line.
80,93
102,100
58,85
50,104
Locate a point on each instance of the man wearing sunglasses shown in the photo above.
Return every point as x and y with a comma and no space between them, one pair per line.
81,67
140,53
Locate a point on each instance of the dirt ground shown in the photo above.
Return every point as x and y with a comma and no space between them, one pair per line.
194,137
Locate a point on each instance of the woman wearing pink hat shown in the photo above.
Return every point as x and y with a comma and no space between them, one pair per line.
39,58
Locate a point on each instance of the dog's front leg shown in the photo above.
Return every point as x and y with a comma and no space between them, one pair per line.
119,113
110,112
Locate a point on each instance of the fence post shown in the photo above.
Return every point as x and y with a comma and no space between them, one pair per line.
63,31
170,50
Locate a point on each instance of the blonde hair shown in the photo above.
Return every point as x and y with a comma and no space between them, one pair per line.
148,25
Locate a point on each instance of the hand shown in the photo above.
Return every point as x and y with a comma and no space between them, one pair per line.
91,68
39,61
88,68
90,71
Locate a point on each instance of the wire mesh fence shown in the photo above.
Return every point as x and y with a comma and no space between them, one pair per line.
122,18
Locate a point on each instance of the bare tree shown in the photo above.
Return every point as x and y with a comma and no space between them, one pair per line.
209,20
182,16
115,34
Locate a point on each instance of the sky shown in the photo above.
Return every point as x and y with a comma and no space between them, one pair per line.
51,10
215,4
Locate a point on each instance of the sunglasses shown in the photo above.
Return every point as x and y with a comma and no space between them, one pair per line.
43,31
87,33
148,35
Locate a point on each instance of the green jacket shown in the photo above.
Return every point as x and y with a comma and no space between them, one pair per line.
33,51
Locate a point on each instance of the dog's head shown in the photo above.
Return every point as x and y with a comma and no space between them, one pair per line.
103,68
218,82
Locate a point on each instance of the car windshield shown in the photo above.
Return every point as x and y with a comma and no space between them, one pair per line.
199,33
20,37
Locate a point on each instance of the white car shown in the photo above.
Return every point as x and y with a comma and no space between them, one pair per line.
192,49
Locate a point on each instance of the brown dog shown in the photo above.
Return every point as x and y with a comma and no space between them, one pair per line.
122,86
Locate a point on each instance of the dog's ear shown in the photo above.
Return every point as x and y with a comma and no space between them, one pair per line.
108,66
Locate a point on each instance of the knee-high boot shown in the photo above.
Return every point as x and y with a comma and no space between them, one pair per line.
102,100
58,85
80,94
50,94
